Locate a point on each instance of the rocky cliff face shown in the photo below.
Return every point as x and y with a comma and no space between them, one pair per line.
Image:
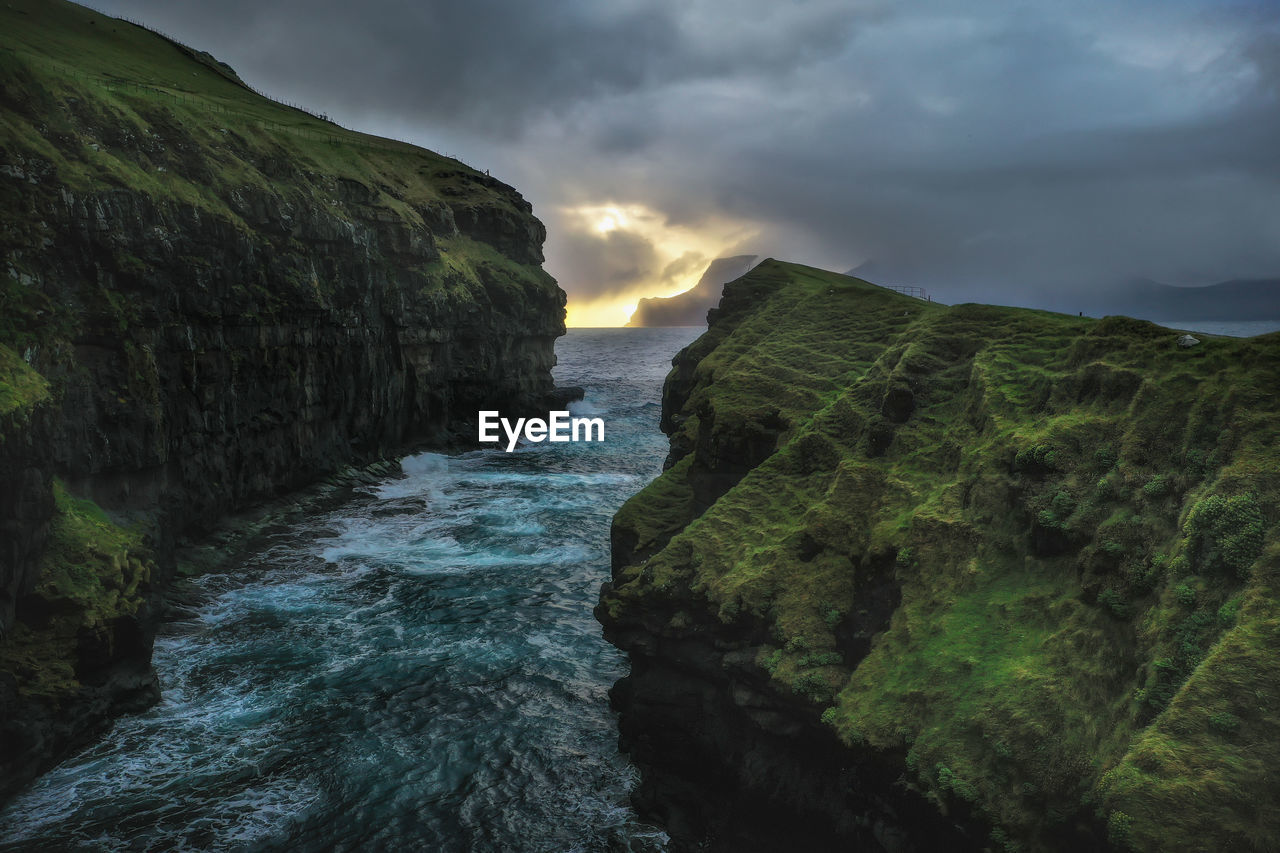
922,577
214,366
210,300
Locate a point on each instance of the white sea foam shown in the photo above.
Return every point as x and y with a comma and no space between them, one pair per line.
423,657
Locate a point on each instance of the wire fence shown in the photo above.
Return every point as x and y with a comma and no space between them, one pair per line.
195,53
909,290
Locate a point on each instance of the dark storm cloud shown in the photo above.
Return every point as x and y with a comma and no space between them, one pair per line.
613,262
1027,156
985,149
490,64
687,264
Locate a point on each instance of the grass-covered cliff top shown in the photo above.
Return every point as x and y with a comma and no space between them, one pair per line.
149,83
91,104
148,196
21,388
1034,556
138,173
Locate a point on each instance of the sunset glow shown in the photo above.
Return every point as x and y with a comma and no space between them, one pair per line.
664,258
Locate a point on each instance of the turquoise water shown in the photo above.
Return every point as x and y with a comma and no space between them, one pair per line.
417,669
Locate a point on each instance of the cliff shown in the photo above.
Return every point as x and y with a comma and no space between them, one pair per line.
209,299
927,577
690,308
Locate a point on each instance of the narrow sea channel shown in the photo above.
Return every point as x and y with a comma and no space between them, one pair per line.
416,669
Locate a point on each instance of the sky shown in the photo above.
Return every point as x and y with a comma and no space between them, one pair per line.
1016,151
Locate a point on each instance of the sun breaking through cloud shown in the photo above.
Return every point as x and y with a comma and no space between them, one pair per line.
988,151
621,252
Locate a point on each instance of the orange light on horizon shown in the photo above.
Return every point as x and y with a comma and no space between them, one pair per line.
707,239
599,313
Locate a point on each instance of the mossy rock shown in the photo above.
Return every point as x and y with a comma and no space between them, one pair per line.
1084,640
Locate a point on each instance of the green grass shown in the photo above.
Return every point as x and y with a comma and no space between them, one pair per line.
1073,511
183,136
21,388
657,513
92,573
193,134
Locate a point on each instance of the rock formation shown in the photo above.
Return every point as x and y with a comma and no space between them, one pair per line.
921,577
209,299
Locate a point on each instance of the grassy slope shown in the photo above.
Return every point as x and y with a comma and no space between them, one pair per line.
193,133
1083,628
70,47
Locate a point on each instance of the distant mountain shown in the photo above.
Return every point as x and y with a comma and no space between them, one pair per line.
1238,299
690,308
1254,299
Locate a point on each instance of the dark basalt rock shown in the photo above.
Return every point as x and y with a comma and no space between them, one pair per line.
729,764
561,397
204,361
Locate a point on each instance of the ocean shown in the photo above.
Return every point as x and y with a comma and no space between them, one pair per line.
416,669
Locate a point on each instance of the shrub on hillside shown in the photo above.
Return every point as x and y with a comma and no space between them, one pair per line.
1225,534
